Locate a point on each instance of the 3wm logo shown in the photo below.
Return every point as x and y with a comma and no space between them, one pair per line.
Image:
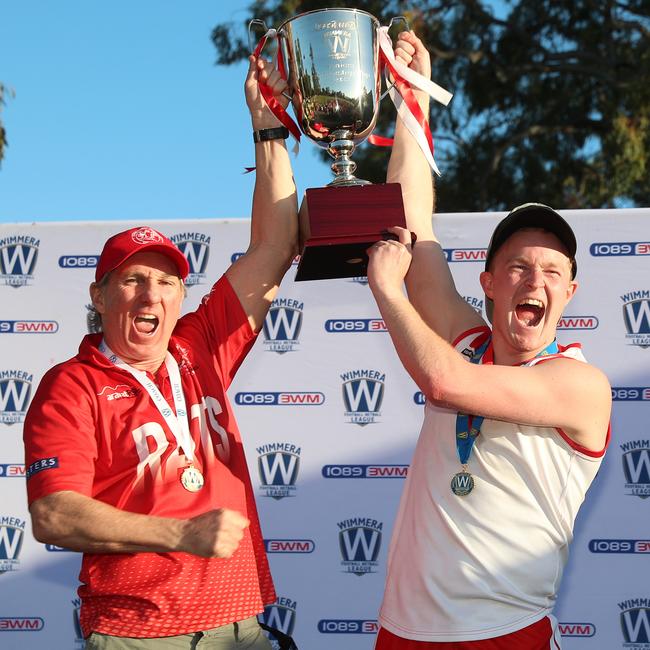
636,315
18,255
363,393
359,543
636,467
282,325
15,391
635,623
196,248
12,531
278,464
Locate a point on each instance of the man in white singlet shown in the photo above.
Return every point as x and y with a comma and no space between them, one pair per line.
515,425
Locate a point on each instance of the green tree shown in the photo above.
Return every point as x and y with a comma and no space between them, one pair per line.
551,97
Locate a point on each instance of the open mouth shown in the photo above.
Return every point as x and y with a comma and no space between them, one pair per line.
530,312
146,324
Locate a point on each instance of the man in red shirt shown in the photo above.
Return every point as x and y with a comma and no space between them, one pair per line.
133,455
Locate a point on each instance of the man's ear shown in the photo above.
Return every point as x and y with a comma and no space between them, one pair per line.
486,282
97,297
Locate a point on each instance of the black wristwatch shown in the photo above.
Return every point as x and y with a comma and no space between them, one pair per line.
280,132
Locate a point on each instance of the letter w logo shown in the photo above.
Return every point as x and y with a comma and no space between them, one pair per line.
339,44
637,316
11,541
363,395
277,468
636,466
18,259
636,625
197,255
360,544
14,395
279,617
282,324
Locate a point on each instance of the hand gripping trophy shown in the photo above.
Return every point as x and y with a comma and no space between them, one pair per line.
333,60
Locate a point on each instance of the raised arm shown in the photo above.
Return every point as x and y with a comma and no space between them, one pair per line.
429,282
256,275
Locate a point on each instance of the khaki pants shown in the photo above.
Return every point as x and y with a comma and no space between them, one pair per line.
244,635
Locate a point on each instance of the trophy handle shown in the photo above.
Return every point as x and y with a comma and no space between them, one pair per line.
394,20
255,21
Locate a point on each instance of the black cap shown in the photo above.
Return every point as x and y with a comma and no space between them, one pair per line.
533,215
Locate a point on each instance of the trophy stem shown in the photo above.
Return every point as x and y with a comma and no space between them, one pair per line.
341,149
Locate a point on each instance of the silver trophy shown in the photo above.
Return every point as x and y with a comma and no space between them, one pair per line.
333,72
331,62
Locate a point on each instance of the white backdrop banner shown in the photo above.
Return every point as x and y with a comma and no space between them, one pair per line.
329,420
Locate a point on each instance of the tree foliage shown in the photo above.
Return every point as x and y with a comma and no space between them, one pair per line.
3,138
551,97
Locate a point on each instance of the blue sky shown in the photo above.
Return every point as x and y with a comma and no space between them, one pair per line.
120,113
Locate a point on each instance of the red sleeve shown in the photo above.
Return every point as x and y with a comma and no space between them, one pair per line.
221,324
59,435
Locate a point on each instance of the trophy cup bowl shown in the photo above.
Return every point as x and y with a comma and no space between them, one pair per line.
334,79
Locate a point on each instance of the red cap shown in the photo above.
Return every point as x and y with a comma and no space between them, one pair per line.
120,247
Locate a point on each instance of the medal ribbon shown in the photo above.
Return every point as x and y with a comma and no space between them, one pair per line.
469,426
177,423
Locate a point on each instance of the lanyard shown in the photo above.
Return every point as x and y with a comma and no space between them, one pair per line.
177,423
469,426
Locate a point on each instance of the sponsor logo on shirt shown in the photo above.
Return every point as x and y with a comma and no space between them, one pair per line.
282,325
112,393
42,465
348,626
15,392
636,467
359,543
363,393
635,623
364,471
12,530
636,316
18,256
196,248
278,464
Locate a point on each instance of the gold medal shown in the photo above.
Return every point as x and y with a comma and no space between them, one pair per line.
192,479
462,483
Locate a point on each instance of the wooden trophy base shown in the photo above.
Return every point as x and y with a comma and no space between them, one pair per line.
338,224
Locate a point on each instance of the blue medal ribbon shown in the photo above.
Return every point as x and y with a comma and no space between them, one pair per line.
469,426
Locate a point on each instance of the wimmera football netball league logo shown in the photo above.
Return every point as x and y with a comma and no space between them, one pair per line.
635,623
12,531
636,467
15,391
282,325
359,543
636,315
278,464
363,393
79,641
18,255
196,248
280,615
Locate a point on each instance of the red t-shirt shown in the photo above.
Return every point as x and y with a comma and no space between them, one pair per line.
93,429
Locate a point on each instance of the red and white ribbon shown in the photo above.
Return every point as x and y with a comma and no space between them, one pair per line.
405,102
